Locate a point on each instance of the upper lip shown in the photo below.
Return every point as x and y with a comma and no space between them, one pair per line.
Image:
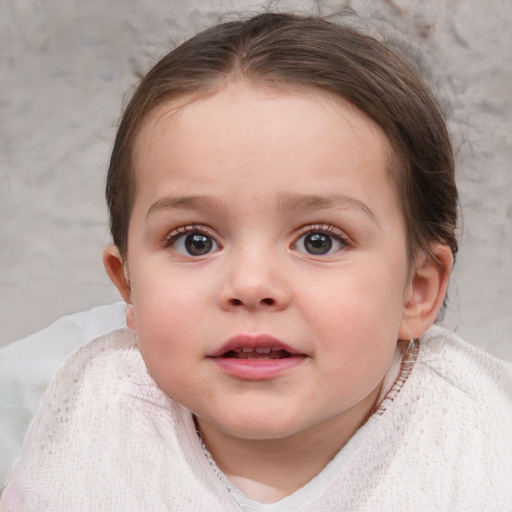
252,341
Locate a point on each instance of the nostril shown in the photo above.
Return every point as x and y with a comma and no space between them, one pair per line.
268,301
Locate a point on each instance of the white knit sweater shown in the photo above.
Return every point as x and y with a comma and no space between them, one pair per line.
107,439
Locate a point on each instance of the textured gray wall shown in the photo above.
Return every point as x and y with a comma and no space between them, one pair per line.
66,65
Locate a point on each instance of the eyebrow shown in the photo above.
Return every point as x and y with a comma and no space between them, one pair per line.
285,202
184,203
290,202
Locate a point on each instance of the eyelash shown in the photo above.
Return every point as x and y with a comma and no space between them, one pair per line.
327,229
184,230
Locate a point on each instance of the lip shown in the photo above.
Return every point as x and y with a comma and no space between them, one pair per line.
252,341
260,368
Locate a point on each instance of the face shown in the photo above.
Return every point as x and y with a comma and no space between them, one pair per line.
267,259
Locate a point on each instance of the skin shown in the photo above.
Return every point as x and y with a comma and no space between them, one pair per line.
258,170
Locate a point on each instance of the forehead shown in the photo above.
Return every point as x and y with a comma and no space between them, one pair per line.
259,121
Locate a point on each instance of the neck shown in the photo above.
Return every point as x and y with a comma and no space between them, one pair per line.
267,470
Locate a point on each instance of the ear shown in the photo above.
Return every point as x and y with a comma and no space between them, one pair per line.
118,272
426,291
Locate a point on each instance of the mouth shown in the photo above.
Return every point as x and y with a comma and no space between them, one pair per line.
257,353
254,346
256,357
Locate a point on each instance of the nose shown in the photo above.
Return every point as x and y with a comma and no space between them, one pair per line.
254,282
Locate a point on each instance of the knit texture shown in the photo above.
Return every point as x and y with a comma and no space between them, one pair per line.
108,438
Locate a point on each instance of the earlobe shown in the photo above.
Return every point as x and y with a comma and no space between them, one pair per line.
116,270
426,291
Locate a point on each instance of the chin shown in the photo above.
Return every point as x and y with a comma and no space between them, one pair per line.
263,427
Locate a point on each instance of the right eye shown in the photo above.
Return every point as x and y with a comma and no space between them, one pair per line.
192,242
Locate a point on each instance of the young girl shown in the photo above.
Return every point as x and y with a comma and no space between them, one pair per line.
283,210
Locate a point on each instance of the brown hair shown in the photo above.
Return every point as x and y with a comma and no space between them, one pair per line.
284,51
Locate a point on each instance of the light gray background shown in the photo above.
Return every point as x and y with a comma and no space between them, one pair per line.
66,67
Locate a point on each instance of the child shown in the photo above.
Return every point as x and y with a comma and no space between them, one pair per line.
283,210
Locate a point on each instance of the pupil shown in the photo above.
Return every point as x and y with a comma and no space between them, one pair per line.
198,244
318,243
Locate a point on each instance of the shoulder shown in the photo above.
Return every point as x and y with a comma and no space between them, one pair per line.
469,389
445,437
106,367
463,409
28,365
105,425
464,368
98,418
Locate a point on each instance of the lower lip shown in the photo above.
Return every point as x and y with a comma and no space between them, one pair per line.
257,369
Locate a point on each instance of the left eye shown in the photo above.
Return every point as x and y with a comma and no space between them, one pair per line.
319,243
194,244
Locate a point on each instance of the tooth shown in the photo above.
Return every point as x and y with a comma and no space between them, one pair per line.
263,350
237,350
247,349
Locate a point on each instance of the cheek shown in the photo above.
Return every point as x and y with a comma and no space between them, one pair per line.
165,296
354,351
363,299
168,340
357,323
163,319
